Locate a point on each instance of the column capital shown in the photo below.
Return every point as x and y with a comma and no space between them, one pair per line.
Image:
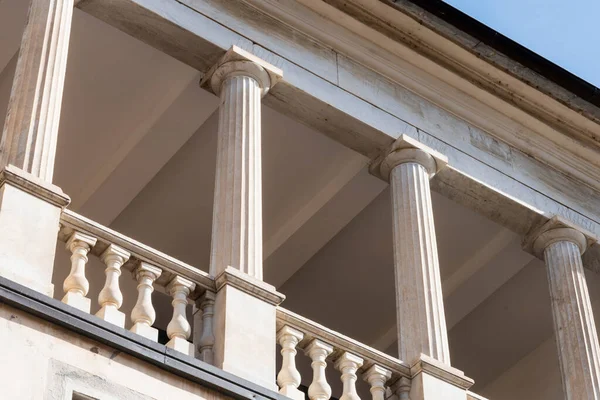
406,149
239,62
555,230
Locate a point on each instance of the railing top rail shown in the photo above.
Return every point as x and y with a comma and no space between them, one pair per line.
71,221
313,330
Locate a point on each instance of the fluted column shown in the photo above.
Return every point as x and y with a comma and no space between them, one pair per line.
419,301
31,127
243,302
237,210
576,337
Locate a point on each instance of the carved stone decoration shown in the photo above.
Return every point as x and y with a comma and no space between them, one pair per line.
289,378
419,300
179,329
76,285
31,128
579,352
348,364
241,80
377,377
318,352
143,313
110,297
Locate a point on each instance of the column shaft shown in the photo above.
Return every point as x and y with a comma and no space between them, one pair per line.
419,301
31,127
576,336
237,212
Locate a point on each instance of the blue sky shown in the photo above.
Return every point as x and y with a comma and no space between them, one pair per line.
567,32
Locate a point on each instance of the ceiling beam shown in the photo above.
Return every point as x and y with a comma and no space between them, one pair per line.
347,191
475,280
176,117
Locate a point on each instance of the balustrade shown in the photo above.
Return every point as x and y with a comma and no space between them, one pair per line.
348,356
151,270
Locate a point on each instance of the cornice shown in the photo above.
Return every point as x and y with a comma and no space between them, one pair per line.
254,287
401,49
34,186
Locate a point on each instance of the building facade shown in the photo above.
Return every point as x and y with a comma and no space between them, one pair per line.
292,199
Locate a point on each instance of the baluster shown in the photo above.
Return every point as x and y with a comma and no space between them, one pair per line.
403,388
377,376
289,377
179,328
143,313
348,364
110,297
206,340
76,285
318,351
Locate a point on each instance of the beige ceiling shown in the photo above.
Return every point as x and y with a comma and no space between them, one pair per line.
137,152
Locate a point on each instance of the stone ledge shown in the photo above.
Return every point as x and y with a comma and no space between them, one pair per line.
441,371
250,285
34,186
87,325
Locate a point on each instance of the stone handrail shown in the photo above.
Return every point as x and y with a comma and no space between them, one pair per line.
150,268
71,222
381,371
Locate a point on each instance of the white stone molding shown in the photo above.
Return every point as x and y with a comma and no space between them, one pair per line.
377,377
110,297
419,301
318,352
348,364
31,127
179,329
76,285
206,342
240,79
143,314
574,327
288,377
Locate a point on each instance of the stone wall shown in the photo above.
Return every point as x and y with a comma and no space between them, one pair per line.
40,360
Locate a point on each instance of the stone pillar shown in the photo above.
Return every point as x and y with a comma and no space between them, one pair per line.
422,334
244,320
30,210
30,206
561,247
419,300
31,127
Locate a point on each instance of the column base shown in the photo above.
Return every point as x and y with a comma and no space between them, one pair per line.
30,212
293,393
109,313
245,327
181,345
78,301
146,331
433,380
